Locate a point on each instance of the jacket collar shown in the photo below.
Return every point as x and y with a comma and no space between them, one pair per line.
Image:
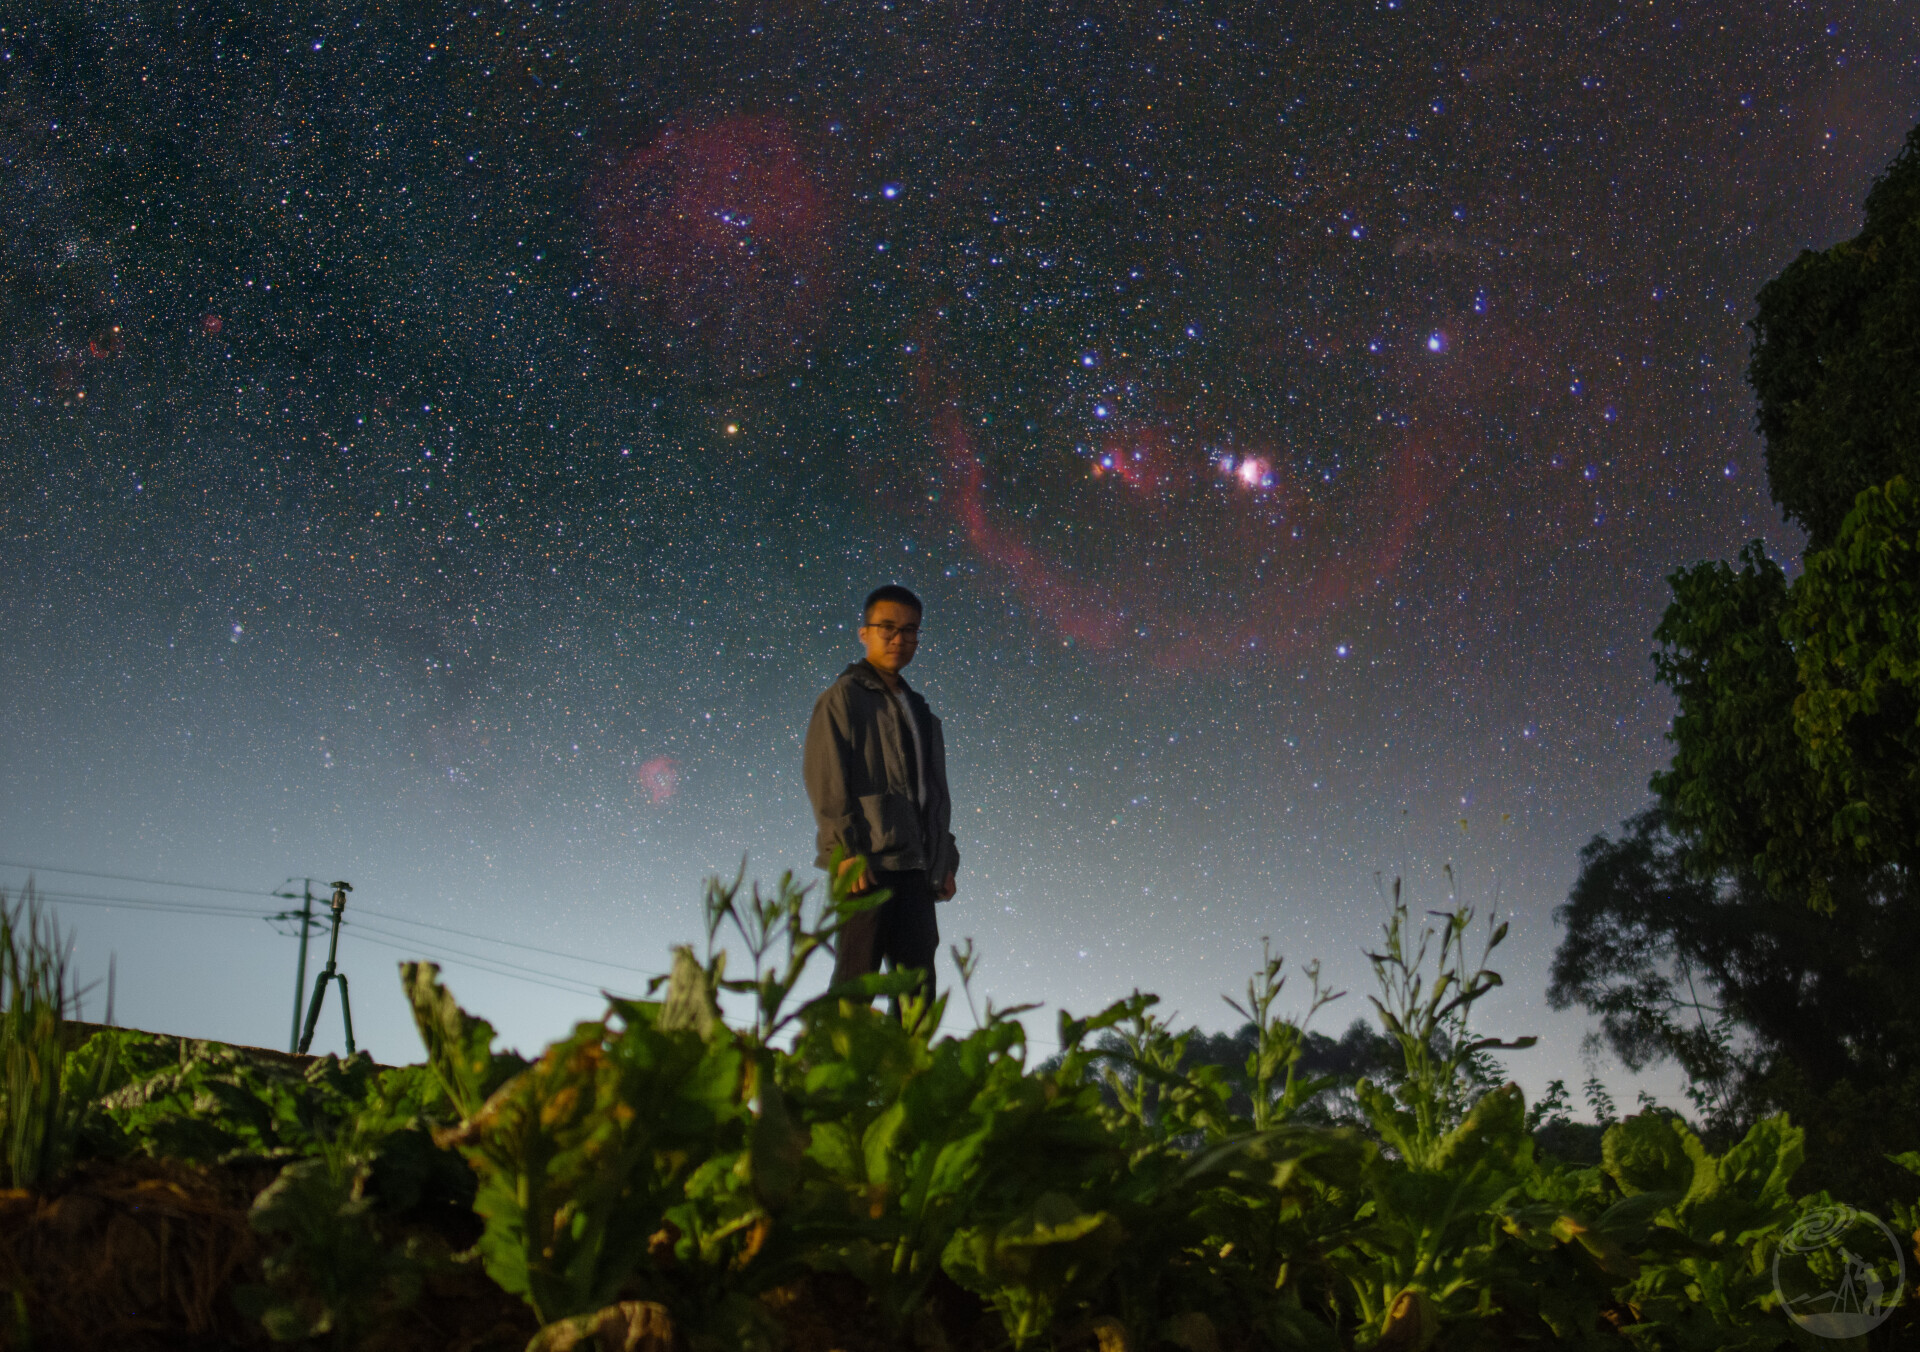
863,672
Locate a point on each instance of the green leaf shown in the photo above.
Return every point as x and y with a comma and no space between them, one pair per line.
1493,1136
459,1046
1648,1153
1033,1263
691,999
778,1148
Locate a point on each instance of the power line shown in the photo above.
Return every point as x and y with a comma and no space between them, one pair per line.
410,945
360,930
512,943
478,964
129,878
239,913
425,945
384,915
153,904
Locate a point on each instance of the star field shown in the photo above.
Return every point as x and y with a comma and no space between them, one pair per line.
445,449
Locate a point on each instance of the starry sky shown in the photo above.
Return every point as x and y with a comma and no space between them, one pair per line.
444,448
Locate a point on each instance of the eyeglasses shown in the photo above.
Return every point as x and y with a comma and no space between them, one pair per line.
888,632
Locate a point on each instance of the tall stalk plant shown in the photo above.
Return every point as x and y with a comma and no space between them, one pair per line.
43,1105
1429,1015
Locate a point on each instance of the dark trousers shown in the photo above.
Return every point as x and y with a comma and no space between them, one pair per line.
902,930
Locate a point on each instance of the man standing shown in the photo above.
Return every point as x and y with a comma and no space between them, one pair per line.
876,770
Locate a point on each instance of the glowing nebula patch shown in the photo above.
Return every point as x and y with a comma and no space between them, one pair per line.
658,778
1174,574
716,247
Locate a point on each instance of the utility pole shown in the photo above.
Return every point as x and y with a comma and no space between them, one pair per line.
305,917
332,973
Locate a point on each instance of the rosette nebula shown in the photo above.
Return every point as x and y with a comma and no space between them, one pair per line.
658,779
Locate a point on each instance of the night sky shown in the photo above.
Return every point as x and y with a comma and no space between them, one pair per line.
445,448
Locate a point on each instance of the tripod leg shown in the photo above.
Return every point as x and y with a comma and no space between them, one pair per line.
313,1011
346,1011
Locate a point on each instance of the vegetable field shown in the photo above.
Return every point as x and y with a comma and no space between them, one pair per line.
825,1173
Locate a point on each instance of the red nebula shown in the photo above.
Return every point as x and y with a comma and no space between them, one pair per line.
1178,619
211,325
1178,559
716,247
1139,458
658,778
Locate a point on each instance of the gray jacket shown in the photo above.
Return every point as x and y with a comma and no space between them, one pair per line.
856,768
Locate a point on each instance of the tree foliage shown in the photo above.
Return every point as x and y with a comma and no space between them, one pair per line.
1797,739
1765,1004
1738,784
1836,360
1751,927
1796,742
1854,626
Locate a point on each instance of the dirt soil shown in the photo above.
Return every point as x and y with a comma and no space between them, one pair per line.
144,1256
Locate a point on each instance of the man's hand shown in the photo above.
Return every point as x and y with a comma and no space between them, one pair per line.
945,891
864,882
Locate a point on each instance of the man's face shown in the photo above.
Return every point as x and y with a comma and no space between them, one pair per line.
891,633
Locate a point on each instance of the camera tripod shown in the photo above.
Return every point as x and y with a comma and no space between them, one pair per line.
331,972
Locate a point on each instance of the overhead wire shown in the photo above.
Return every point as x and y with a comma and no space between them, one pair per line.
351,925
152,904
514,943
130,878
478,964
365,910
355,928
360,931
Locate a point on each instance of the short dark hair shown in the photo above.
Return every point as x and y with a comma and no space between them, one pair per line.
893,591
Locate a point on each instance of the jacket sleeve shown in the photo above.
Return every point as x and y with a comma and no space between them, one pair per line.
952,848
827,767
944,851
